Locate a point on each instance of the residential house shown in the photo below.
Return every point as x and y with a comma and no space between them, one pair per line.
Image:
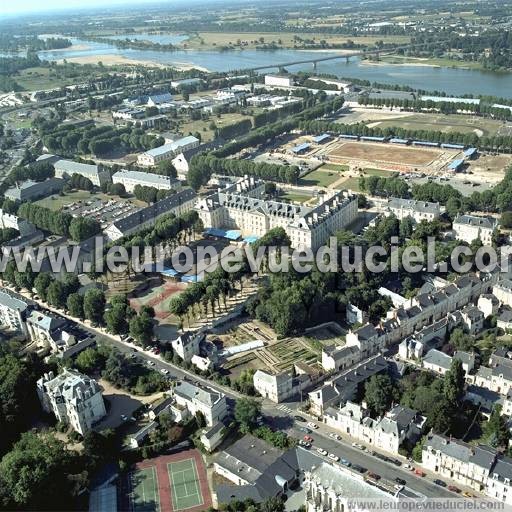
473,319
212,437
336,358
502,290
211,403
73,398
13,312
488,304
468,228
187,345
416,210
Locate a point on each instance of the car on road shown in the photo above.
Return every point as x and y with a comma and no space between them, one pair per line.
312,425
164,371
304,444
440,482
150,363
400,481
299,418
306,430
308,439
321,451
419,472
335,436
358,446
373,475
124,417
467,494
454,489
408,467
358,468
333,457
346,462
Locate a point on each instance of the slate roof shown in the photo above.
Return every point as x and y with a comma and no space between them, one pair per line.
472,220
412,205
438,358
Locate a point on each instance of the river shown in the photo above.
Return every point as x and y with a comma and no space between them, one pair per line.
454,81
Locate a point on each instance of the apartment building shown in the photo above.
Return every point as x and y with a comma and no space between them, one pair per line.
387,433
242,206
66,169
31,190
279,80
167,151
73,398
130,179
178,204
276,387
470,227
13,312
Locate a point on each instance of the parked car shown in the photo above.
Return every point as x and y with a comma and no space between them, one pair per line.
150,363
308,439
312,425
419,472
164,371
335,436
454,489
333,457
373,475
358,468
400,481
346,462
408,467
440,482
467,494
321,451
304,444
299,418
358,446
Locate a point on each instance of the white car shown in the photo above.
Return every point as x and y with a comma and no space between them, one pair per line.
335,436
408,467
358,446
321,451
333,457
150,363
312,425
164,371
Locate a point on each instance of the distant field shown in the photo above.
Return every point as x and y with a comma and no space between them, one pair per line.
379,172
444,123
34,79
382,153
203,127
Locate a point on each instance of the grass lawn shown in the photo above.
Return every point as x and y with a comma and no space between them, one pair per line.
203,127
295,198
334,167
57,202
319,178
350,183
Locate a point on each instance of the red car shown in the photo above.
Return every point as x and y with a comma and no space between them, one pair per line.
453,488
419,472
308,439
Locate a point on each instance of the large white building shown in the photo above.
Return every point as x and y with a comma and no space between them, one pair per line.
13,313
468,228
167,151
178,204
417,210
241,206
130,179
66,169
73,398
279,80
276,387
9,220
211,403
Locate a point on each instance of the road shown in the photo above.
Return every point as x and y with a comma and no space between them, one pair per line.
277,416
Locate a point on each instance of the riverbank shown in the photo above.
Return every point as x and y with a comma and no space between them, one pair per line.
121,60
428,62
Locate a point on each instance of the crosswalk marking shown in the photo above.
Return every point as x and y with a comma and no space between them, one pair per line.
284,409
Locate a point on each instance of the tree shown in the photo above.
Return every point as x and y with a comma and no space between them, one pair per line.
88,360
454,382
379,394
141,328
506,220
461,341
116,318
56,294
37,474
94,305
75,305
496,432
41,284
247,411
274,504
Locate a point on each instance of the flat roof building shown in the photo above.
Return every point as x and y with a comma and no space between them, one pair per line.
130,179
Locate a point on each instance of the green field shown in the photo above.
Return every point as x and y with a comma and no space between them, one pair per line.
444,123
350,183
436,62
144,495
184,480
320,177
